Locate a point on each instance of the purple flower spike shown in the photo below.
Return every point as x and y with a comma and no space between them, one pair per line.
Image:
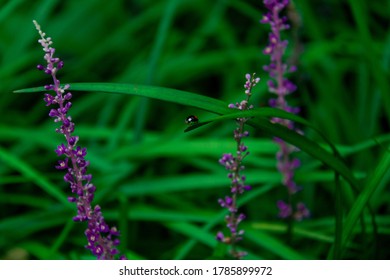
233,163
281,87
99,235
284,209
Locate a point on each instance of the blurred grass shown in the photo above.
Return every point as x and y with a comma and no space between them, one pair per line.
162,193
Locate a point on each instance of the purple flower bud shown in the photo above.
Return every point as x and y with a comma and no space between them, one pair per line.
80,152
68,178
61,149
62,164
73,140
284,209
77,218
220,236
241,217
97,209
53,113
49,99
66,123
68,96
114,231
98,250
268,50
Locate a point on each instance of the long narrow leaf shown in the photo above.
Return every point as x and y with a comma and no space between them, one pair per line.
219,107
362,200
165,94
29,172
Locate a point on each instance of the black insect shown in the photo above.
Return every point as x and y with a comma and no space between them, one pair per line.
190,120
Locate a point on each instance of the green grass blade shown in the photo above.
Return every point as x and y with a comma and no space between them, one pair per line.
34,175
362,200
338,219
160,93
219,107
272,244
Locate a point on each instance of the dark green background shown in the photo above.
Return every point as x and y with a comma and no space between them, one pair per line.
159,185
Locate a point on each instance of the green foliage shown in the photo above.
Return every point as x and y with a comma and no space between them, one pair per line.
166,60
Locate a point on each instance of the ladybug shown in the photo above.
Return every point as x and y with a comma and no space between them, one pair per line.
190,120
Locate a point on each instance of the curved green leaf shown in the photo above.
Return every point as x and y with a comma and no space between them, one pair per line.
288,135
165,94
372,183
219,107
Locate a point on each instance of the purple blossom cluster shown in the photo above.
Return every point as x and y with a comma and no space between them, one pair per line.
233,164
281,86
102,240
